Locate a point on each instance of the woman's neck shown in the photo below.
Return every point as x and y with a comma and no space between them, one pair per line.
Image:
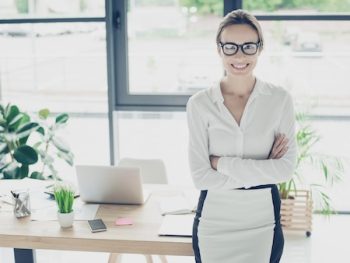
238,86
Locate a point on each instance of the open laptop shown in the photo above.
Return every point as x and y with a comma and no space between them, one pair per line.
110,184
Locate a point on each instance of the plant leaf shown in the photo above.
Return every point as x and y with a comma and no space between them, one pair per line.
11,112
16,120
3,148
41,130
37,175
25,155
23,171
11,171
60,144
43,114
62,118
25,130
68,157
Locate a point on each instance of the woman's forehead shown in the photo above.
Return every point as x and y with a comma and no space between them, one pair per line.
239,34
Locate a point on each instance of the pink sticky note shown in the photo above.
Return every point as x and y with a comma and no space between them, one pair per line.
123,221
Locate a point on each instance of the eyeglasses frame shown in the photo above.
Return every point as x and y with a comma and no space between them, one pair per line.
240,47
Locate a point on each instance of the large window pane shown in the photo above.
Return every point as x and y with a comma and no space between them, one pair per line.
50,8
61,66
297,6
311,59
172,46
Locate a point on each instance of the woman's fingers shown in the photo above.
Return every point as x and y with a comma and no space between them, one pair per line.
279,147
276,143
282,152
282,145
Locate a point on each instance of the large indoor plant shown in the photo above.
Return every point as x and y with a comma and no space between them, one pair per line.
328,168
28,146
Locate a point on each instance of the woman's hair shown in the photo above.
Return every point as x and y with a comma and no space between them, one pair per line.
240,17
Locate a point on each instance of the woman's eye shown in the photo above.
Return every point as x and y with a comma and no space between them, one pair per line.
230,47
249,46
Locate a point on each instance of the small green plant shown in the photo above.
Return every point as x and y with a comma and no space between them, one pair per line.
329,168
64,196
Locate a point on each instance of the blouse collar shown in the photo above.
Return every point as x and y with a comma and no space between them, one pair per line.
259,89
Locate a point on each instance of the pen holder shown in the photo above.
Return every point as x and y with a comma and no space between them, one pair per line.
21,204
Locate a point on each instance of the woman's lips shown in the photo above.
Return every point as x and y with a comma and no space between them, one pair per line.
240,66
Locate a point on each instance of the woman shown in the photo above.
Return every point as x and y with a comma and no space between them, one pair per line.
241,145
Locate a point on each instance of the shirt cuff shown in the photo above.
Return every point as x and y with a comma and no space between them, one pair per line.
222,166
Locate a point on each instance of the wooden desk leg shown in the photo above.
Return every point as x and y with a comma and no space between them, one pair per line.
149,258
24,255
114,258
163,259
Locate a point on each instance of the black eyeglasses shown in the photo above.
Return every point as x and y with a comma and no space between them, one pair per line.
248,48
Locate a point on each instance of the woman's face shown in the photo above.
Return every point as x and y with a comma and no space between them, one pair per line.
239,64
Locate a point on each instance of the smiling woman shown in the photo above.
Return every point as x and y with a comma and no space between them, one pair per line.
238,215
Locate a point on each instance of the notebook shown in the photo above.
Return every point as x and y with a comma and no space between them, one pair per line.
177,225
110,184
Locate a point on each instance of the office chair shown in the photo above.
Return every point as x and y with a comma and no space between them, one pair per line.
152,172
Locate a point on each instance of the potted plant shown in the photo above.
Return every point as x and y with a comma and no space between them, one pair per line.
64,197
299,193
16,155
25,144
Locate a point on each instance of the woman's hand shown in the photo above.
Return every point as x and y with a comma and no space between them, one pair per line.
279,147
214,161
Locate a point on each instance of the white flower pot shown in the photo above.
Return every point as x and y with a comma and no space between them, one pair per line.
65,219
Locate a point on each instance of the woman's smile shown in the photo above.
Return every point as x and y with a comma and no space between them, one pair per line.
240,66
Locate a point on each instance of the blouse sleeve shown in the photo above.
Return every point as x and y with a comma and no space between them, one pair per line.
203,176
258,172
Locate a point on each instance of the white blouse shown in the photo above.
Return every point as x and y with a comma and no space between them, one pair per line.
244,148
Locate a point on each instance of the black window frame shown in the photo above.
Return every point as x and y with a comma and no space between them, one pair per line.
118,53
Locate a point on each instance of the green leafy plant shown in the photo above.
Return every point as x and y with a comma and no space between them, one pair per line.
329,168
50,145
15,153
64,197
28,147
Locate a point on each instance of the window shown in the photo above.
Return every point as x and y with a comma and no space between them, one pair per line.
171,52
53,55
61,66
167,53
11,9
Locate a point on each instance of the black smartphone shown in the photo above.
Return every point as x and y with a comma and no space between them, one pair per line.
97,225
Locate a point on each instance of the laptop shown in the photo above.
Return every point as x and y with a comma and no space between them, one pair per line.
110,184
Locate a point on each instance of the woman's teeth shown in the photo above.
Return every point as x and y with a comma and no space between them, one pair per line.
239,66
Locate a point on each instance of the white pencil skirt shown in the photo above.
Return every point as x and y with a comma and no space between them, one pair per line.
238,226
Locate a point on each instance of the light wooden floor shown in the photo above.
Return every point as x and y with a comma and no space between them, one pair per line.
330,242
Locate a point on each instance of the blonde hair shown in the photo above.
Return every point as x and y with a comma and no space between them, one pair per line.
240,17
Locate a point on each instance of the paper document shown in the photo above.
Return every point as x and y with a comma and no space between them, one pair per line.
177,225
176,205
82,211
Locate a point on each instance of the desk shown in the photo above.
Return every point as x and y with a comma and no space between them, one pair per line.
140,238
